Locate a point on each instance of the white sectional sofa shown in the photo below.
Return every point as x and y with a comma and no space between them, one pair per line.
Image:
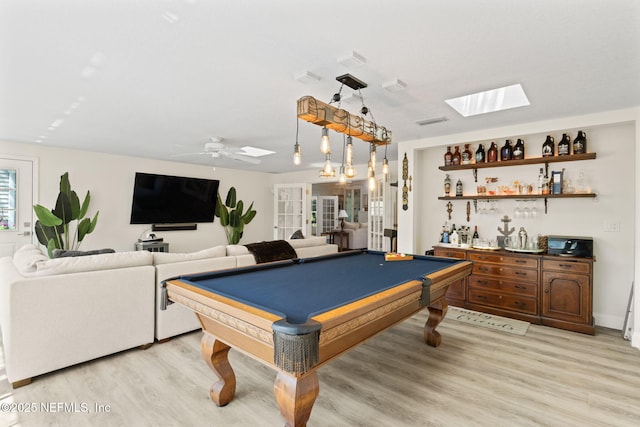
59,312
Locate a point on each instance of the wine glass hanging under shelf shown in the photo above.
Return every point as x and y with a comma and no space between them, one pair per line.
519,197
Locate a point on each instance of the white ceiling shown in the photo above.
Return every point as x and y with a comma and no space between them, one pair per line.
157,79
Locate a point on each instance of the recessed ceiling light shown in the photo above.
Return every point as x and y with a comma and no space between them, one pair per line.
490,101
394,85
255,152
307,77
352,59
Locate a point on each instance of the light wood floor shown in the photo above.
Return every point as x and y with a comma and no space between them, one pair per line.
477,377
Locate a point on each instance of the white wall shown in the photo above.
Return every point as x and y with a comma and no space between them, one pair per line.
110,180
612,175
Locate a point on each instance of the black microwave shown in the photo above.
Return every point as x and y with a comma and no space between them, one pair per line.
570,246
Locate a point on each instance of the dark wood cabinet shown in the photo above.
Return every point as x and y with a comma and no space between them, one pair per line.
567,294
542,289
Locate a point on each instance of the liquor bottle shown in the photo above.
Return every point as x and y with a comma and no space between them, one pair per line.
466,155
541,181
564,146
548,148
459,188
453,236
455,158
447,185
546,185
448,157
475,233
445,234
480,154
492,154
580,143
506,153
518,150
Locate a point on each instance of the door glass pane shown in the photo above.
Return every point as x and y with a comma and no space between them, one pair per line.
8,191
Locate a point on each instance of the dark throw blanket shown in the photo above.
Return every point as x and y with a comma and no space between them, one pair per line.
274,250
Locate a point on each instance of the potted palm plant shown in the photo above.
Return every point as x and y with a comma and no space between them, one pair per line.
64,226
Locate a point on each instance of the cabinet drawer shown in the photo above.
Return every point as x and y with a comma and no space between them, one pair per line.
450,253
507,286
506,272
510,302
567,265
504,259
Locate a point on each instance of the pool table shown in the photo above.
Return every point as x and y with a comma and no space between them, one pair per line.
297,315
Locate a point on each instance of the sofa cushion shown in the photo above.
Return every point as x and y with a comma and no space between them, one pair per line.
26,258
308,242
235,250
50,267
168,257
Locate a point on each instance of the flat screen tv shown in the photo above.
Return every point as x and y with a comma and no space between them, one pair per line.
166,199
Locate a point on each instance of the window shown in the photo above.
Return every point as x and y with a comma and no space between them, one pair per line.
8,192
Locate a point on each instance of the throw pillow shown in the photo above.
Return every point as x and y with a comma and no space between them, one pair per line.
297,235
351,225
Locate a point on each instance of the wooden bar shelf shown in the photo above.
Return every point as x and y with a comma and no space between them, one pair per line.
520,196
531,161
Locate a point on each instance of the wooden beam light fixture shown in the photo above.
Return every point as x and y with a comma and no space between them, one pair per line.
333,117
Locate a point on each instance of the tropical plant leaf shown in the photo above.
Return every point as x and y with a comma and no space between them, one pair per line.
249,216
85,206
65,185
51,245
224,215
235,219
231,198
63,208
234,238
46,217
94,222
83,228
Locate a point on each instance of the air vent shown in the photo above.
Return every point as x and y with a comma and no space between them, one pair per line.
431,121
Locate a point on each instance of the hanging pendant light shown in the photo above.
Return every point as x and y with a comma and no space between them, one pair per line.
324,141
297,155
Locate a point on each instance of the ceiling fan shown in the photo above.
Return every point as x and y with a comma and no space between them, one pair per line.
216,149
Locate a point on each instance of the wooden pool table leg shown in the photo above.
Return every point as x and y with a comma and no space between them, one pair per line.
215,353
437,311
295,397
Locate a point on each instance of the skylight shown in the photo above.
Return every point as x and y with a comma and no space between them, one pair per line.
490,101
255,152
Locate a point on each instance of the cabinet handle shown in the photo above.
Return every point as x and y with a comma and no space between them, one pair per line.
521,273
483,282
565,265
483,269
484,258
520,261
482,297
518,304
520,287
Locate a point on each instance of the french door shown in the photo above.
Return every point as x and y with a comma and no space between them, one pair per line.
17,189
292,207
